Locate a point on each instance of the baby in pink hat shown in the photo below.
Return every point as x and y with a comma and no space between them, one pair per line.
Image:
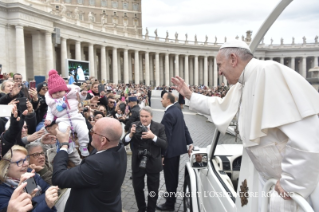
62,101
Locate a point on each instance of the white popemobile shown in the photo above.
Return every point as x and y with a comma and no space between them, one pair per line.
221,177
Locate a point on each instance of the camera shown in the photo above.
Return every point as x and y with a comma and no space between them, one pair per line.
140,129
85,109
144,154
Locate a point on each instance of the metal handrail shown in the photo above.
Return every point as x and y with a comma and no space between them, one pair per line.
296,197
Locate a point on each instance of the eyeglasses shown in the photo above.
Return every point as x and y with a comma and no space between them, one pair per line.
112,102
92,132
19,162
93,105
36,155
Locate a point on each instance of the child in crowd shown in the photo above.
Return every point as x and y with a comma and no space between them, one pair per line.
62,101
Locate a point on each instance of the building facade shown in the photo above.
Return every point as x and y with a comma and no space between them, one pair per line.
39,35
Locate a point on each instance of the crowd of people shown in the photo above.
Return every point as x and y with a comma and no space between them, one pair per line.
219,91
61,130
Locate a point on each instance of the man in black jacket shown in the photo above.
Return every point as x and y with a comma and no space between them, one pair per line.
178,138
149,139
96,183
134,112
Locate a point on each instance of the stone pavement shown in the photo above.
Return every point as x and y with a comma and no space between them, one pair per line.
202,134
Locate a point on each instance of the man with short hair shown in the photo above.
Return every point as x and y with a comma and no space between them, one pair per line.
199,161
146,157
96,183
134,112
278,120
178,138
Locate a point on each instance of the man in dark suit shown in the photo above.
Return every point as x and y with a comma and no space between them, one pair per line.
146,157
178,138
199,161
176,103
163,91
96,183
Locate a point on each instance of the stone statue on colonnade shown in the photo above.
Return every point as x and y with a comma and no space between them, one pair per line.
304,40
293,40
63,9
155,32
90,17
316,39
282,41
103,20
76,13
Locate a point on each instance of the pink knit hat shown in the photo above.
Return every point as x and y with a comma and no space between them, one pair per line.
56,83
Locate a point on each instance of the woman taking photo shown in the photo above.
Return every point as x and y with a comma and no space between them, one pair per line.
13,171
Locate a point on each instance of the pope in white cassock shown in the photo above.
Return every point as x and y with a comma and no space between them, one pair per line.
80,73
278,122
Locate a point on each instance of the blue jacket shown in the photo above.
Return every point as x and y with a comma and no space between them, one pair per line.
39,204
178,136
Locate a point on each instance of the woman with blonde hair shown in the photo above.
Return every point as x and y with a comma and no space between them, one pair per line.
14,171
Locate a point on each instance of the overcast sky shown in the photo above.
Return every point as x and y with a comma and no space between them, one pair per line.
230,18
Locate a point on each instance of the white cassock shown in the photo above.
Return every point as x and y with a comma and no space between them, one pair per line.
278,125
80,74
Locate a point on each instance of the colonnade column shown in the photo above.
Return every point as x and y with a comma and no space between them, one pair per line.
186,70
63,57
147,69
151,69
136,68
215,73
20,52
210,72
304,67
48,51
196,70
140,69
282,60
206,71
36,54
78,50
315,61
126,79
181,67
167,76
91,59
114,65
176,65
119,68
191,71
103,63
292,63
107,66
157,77
130,75
171,67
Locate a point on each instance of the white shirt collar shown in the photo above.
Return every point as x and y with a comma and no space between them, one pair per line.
168,107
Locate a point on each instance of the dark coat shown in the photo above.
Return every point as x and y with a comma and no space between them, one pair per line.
177,133
11,137
197,164
41,205
95,183
163,92
154,163
133,117
177,105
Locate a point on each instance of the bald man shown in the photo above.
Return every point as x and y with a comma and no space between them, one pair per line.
96,182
